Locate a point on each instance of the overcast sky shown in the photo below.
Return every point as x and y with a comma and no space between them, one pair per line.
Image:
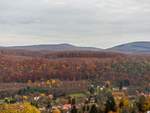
97,23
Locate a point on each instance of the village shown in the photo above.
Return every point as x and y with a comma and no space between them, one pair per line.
55,96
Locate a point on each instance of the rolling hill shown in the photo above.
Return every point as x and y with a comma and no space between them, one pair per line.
132,48
128,48
55,47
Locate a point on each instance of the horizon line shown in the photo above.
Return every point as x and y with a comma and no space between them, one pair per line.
46,44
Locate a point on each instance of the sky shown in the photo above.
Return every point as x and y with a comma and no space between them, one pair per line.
96,23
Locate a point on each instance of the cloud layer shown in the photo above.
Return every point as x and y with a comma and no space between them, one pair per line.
99,23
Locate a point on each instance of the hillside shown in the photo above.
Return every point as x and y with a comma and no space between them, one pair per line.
20,64
54,47
135,47
128,48
79,65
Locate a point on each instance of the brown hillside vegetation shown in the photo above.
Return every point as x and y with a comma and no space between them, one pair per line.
75,66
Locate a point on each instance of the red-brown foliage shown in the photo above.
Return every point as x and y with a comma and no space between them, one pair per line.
75,66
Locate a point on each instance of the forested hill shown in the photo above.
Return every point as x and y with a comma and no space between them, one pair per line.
53,47
133,48
75,66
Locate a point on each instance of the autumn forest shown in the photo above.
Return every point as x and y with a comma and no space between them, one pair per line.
21,67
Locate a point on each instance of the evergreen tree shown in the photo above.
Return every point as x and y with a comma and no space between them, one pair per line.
93,109
73,101
110,104
141,103
74,109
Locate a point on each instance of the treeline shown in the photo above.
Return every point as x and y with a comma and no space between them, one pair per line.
81,54
61,54
117,67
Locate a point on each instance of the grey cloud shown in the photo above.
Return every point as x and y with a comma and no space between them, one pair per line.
72,21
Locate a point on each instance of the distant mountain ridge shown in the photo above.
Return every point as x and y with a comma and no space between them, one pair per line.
129,48
54,47
134,47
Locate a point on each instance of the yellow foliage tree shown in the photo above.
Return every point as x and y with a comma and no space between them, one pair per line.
18,108
56,110
125,102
